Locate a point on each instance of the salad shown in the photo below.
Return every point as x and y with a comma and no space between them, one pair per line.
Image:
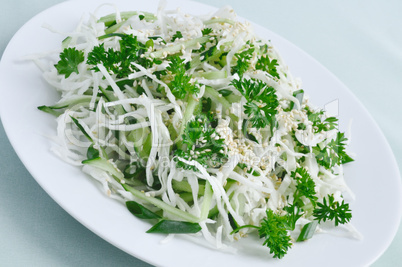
197,126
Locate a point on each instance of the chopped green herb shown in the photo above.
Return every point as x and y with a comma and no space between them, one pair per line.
333,211
70,58
265,64
201,144
177,35
181,84
261,101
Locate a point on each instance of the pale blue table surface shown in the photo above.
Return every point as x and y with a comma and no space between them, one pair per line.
359,41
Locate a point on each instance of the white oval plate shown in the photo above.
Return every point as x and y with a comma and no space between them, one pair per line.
374,176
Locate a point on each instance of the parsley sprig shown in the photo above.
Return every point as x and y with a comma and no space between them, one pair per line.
319,124
177,35
120,61
275,227
274,230
261,101
206,31
305,186
265,64
333,153
243,60
333,210
70,58
305,189
181,84
202,144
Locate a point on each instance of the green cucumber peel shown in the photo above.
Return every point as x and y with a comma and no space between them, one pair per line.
175,227
162,205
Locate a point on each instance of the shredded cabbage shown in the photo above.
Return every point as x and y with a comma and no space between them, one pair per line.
126,130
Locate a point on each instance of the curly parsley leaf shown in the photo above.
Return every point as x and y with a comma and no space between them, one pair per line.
202,144
333,210
274,230
256,114
333,153
177,35
206,31
243,60
70,58
294,214
120,61
181,84
261,101
319,125
100,55
305,186
265,64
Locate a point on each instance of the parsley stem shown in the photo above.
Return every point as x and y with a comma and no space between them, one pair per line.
244,226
